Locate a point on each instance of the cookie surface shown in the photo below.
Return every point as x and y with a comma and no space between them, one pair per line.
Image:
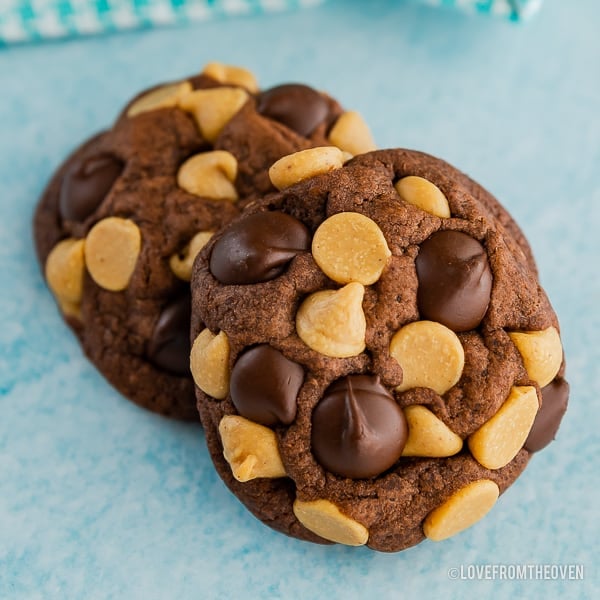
379,356
119,224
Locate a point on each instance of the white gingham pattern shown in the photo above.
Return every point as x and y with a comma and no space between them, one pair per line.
34,20
515,10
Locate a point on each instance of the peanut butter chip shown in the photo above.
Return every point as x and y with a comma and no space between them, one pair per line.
332,322
213,108
250,449
112,248
70,309
181,263
541,352
350,247
428,435
463,509
210,174
430,355
64,272
326,520
304,164
498,440
209,363
352,134
423,194
232,75
166,96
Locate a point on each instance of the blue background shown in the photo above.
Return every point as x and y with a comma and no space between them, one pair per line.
100,499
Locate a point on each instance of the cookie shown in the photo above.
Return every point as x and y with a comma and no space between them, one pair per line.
379,348
120,223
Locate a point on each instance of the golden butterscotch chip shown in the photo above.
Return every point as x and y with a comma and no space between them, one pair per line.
352,134
304,164
209,363
326,520
463,509
112,248
498,440
250,449
232,75
70,309
423,194
430,355
213,108
64,272
181,263
350,247
332,322
210,174
166,96
428,435
541,352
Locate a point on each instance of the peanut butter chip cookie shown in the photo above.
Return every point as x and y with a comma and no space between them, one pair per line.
121,222
388,350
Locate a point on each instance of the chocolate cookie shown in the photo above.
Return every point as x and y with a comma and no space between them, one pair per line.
371,350
121,221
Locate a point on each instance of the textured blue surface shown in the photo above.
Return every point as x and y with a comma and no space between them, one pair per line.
99,499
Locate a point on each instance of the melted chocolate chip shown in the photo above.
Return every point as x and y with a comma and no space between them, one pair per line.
455,280
297,106
169,346
258,248
86,184
264,386
358,430
555,397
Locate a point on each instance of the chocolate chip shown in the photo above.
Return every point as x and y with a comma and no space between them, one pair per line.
258,248
455,280
264,386
297,106
358,430
169,346
85,184
555,397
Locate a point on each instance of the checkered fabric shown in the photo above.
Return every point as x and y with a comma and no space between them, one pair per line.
35,20
515,10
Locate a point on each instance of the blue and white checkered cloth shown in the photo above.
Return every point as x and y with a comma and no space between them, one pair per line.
515,10
35,20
